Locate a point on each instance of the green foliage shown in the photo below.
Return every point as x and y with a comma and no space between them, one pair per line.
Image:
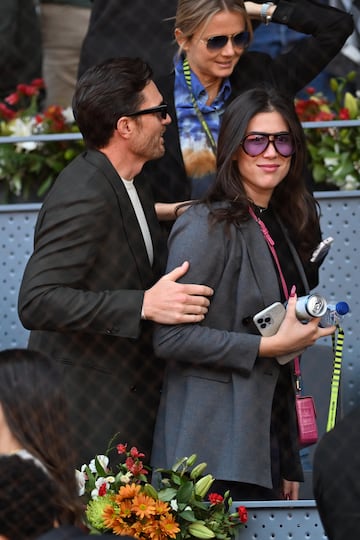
193,512
29,168
334,151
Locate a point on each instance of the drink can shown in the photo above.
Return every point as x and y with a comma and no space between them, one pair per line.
312,305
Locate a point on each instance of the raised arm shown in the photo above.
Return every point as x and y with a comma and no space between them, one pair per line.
325,31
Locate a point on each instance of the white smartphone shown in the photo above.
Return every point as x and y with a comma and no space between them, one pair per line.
269,319
268,322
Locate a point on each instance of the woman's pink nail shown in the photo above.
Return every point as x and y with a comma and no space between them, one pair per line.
293,290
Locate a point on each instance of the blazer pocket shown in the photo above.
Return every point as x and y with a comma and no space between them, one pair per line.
208,374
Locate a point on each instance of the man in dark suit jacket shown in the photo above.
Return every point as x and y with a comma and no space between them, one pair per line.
336,479
90,292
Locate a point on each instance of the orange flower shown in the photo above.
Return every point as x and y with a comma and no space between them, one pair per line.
109,515
161,507
121,529
127,492
163,528
143,506
169,526
125,509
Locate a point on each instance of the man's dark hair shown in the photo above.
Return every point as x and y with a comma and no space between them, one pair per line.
106,92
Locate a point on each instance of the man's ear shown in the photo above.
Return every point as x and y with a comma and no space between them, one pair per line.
181,39
124,126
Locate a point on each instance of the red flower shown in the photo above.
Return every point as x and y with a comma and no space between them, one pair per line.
135,466
53,115
323,116
344,114
38,83
243,515
102,490
27,89
121,448
12,99
134,452
310,90
215,498
6,113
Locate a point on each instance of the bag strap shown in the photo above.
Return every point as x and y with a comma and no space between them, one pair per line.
337,346
337,343
199,114
270,242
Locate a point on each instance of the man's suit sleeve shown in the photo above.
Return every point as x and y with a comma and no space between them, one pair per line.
57,293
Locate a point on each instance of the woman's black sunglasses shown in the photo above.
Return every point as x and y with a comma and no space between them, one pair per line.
162,110
256,143
239,41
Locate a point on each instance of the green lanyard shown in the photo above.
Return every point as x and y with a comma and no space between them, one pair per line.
335,382
199,114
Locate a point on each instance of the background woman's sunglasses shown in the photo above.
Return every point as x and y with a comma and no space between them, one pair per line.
239,41
256,143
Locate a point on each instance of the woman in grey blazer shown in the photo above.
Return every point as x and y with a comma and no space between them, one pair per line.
225,396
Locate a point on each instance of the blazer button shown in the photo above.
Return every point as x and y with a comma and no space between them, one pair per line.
133,388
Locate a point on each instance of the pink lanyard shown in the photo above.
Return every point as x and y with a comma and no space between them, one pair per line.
270,242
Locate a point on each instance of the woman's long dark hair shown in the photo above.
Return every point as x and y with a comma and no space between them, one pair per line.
291,199
32,400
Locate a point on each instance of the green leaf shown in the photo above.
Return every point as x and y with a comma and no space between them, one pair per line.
99,468
319,173
167,494
179,463
188,515
185,492
45,186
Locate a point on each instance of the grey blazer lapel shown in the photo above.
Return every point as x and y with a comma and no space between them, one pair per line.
263,266
260,259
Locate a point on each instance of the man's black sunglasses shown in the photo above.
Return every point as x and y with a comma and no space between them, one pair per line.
162,110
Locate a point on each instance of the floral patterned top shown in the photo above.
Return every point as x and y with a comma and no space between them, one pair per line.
198,156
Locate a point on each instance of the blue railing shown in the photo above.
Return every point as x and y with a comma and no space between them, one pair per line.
75,136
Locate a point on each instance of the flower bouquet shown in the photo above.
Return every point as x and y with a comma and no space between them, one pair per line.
125,503
30,167
334,151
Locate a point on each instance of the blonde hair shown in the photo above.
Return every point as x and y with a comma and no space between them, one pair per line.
192,14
